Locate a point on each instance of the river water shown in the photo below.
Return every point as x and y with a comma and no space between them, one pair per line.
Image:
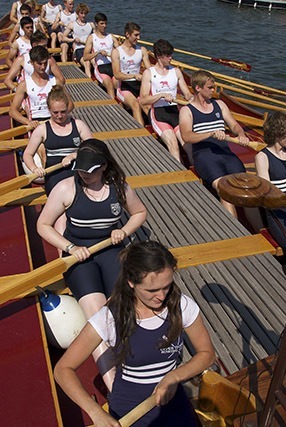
208,27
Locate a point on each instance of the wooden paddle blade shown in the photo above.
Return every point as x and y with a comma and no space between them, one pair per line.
233,64
138,412
247,190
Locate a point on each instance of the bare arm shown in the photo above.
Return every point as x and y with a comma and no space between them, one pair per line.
13,34
57,21
12,54
145,57
204,357
88,55
67,31
138,215
13,13
37,137
262,165
56,71
66,376
232,123
183,85
14,72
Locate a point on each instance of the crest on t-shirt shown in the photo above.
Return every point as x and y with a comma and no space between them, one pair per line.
115,208
76,141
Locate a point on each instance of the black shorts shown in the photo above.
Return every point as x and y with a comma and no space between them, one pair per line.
214,163
132,86
169,114
78,54
105,69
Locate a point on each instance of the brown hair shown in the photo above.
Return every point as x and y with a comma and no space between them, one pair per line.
275,128
200,77
82,7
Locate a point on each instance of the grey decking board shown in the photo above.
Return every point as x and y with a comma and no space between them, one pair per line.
86,91
72,72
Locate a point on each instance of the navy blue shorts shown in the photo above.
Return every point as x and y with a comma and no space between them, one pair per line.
276,221
169,114
97,274
212,164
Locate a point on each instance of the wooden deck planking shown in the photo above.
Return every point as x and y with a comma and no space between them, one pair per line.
86,91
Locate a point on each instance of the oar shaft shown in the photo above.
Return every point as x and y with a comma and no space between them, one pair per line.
21,181
138,412
26,283
255,145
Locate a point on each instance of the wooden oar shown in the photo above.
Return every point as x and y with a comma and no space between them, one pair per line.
228,62
6,98
6,30
255,145
16,285
3,44
19,130
23,180
138,412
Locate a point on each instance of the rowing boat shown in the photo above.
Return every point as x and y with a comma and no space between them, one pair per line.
204,248
263,4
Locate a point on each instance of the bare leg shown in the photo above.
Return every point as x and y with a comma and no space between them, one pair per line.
170,139
108,84
64,52
90,304
53,40
86,65
134,104
229,207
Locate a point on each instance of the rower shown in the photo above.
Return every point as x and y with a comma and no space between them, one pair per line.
15,13
22,44
159,88
63,19
48,16
202,125
126,63
98,48
81,29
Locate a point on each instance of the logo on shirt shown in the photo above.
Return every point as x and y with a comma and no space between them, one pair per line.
174,348
217,115
164,84
115,208
103,44
130,62
76,141
42,96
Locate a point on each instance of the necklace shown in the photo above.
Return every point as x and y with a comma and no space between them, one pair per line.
98,197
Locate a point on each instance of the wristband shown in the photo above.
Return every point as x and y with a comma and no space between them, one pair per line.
69,247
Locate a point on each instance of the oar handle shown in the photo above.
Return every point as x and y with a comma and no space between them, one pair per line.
255,145
181,101
71,260
48,170
138,411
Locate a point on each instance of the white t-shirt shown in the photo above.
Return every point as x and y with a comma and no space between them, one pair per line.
103,320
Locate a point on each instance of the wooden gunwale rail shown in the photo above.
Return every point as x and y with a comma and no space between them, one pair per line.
220,263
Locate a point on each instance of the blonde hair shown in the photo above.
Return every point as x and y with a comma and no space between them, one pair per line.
200,77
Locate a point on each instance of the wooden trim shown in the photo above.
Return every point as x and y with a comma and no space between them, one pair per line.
13,144
79,80
221,250
64,64
6,98
37,196
163,178
4,110
49,366
95,103
121,133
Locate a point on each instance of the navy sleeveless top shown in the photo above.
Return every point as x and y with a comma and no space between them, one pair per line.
144,367
58,147
90,221
206,122
277,170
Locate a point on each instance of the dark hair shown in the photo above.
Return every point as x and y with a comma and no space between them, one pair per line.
113,173
57,93
200,77
162,47
39,54
26,7
100,17
26,20
37,36
275,128
138,260
130,27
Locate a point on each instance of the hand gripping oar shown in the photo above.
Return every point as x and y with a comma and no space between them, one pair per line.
255,145
23,180
16,285
138,412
